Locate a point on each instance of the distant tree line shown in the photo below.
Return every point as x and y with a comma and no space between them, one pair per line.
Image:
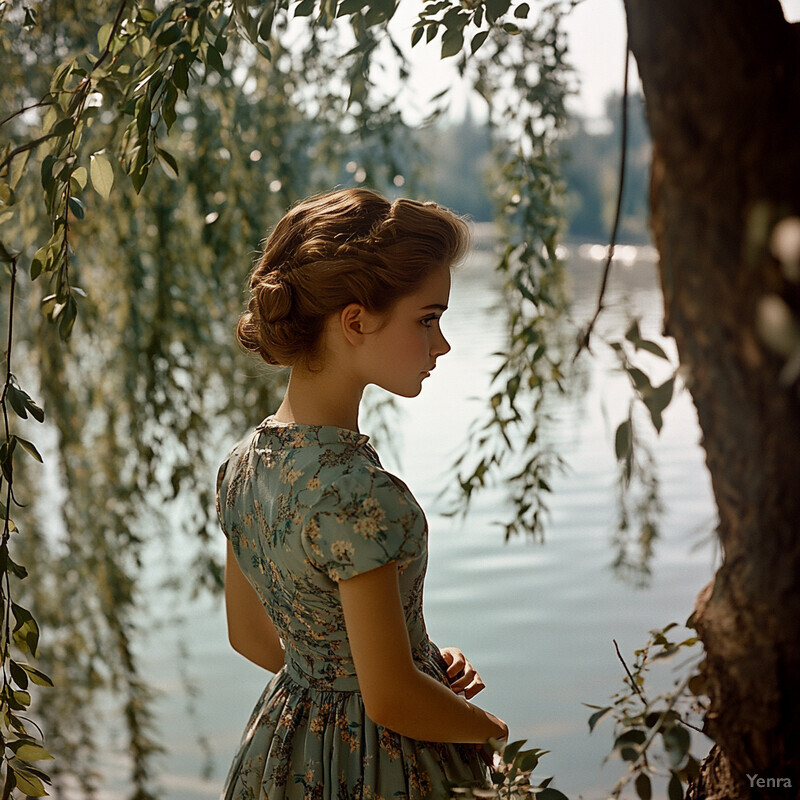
459,155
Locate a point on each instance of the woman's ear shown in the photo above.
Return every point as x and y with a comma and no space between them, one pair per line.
356,323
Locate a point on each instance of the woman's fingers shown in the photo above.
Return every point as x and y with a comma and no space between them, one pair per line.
465,670
467,681
472,688
455,659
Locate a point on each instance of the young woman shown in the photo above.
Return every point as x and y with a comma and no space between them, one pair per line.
327,550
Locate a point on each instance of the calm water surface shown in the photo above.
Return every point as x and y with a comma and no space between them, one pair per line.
537,620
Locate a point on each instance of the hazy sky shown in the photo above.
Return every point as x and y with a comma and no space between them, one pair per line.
596,31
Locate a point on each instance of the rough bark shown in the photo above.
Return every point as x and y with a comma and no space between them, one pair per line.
721,80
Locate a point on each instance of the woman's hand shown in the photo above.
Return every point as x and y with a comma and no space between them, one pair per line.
462,675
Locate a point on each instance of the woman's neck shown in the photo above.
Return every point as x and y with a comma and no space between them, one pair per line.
320,398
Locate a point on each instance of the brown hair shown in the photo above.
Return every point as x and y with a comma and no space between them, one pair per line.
337,248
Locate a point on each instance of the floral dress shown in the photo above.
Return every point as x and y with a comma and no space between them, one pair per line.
304,507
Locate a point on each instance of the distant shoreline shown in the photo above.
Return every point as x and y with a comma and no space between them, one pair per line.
484,237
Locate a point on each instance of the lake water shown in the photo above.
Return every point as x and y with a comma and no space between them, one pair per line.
537,620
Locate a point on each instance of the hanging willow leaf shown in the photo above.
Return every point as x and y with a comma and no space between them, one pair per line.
623,440
477,40
29,447
102,174
452,42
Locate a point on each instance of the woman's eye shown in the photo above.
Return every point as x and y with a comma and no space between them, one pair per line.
428,320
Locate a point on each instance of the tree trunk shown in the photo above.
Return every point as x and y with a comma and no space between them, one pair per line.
721,80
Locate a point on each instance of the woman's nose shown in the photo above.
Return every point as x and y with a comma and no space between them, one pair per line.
442,346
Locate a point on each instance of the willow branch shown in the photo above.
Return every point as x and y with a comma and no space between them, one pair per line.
584,341
111,34
45,101
634,686
34,143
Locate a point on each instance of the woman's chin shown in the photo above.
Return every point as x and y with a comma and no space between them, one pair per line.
404,391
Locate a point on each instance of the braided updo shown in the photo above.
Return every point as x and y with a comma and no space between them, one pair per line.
337,248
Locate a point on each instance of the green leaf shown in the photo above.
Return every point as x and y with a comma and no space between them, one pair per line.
21,573
264,25
522,11
180,74
623,440
169,35
510,750
674,788
477,40
632,334
21,614
17,398
697,685
379,11
47,171
33,752
18,674
349,7
28,447
417,35
640,381
37,676
36,267
550,794
76,207
528,760
139,177
452,42
102,174
28,784
651,347
597,716
143,112
496,9
63,127
68,316
214,60
304,8
631,736
80,177
168,162
168,105
26,635
22,697
102,36
17,168
643,787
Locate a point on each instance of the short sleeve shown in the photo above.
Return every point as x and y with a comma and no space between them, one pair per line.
361,521
219,493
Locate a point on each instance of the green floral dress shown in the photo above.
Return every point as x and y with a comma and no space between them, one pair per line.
305,506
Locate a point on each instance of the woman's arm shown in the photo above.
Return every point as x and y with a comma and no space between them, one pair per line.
250,630
396,694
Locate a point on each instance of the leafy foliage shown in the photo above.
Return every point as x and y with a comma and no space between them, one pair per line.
22,749
641,723
510,773
524,81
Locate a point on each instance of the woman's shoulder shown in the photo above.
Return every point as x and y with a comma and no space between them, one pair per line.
317,464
